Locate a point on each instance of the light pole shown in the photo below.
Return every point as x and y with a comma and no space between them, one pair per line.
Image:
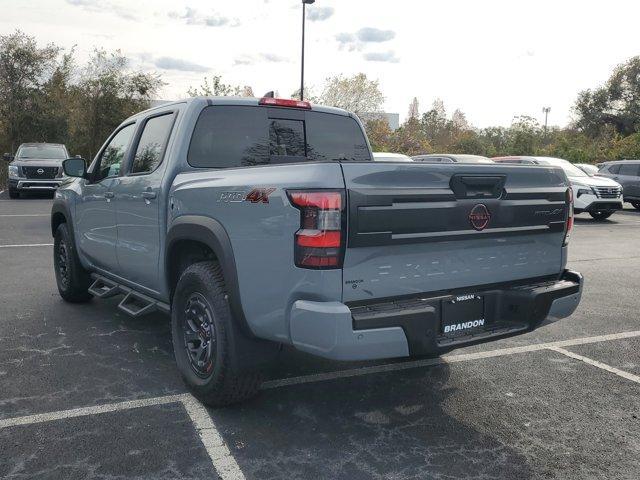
304,12
546,111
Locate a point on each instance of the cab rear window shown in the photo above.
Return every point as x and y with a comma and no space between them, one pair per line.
241,136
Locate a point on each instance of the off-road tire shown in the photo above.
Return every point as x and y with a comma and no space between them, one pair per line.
221,386
14,193
636,205
73,280
600,216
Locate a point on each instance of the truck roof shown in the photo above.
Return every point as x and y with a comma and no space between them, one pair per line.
238,101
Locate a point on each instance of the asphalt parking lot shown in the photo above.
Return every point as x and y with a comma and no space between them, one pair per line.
87,392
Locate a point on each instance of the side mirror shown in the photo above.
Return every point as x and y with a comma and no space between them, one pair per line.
75,167
7,157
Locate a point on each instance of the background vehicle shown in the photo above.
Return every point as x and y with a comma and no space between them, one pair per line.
627,173
390,157
450,158
265,222
599,197
587,168
36,167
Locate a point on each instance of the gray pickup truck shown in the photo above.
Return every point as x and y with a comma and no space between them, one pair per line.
36,167
263,222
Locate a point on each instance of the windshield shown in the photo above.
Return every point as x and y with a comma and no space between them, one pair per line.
54,152
569,168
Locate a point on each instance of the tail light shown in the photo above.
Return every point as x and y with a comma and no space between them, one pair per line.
320,241
569,227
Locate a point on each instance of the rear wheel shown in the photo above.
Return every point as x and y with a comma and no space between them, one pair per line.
599,216
73,280
201,323
636,205
14,193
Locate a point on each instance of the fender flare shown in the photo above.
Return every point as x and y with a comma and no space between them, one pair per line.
211,233
250,352
60,207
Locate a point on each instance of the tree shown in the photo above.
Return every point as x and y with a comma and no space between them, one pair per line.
217,88
24,70
356,94
107,93
414,109
379,134
435,124
410,139
617,103
525,136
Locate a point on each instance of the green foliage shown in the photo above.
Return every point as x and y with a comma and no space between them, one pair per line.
215,87
45,97
616,104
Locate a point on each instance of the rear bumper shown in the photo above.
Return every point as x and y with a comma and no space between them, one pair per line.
411,326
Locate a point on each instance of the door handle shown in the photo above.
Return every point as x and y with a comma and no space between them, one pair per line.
109,195
149,195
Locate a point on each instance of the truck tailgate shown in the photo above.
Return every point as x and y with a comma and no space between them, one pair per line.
419,228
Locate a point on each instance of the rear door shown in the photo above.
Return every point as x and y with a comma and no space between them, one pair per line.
418,228
138,203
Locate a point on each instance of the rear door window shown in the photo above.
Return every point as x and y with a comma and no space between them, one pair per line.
239,136
152,144
629,169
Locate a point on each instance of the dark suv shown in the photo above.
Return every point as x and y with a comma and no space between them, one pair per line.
626,173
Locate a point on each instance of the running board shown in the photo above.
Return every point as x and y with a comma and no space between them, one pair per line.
134,303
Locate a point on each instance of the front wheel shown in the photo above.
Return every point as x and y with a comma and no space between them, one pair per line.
599,216
201,325
14,193
636,205
73,280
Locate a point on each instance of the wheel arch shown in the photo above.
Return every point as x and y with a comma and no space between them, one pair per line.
195,231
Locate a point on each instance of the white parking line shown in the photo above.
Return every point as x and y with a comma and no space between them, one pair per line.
28,245
595,363
27,215
223,461
86,411
464,357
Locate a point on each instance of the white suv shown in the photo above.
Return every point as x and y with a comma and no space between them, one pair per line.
600,197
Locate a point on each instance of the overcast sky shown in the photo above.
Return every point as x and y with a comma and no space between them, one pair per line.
492,59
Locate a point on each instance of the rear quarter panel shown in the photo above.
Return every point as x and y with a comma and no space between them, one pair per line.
262,236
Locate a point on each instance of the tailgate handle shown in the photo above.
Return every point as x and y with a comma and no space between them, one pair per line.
477,186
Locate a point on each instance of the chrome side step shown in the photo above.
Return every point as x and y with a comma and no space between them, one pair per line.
134,303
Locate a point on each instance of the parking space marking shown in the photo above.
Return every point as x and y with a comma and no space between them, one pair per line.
27,215
464,357
28,245
224,463
596,363
86,411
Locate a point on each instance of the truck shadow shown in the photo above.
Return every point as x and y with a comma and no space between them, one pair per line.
390,425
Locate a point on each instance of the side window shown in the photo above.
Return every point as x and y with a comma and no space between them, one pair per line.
629,169
613,168
109,163
152,144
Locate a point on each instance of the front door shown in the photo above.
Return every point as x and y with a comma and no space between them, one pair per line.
95,226
138,200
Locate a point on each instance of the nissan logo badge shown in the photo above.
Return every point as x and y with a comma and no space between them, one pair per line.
40,171
479,217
